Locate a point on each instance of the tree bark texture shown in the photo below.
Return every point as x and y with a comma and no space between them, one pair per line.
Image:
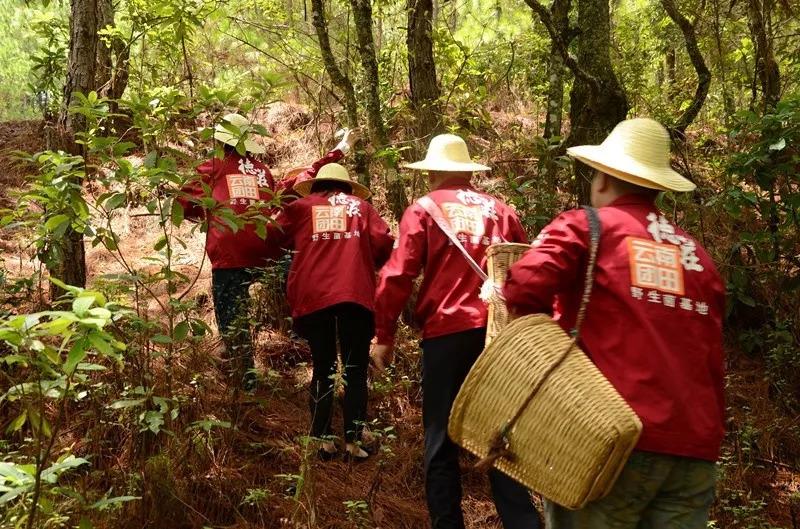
341,81
559,11
81,77
597,101
362,17
422,69
696,56
766,67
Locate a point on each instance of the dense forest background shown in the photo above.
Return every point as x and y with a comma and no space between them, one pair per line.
114,408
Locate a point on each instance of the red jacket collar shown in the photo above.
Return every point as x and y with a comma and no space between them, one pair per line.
634,199
453,183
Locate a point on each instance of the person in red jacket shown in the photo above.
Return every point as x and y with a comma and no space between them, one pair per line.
653,327
339,242
238,182
452,315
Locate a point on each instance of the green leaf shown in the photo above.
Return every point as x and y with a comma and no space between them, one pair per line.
110,502
81,305
75,356
161,338
17,423
160,244
126,403
85,523
181,331
177,213
99,343
55,222
115,201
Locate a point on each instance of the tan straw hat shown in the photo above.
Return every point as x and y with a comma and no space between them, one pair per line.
332,172
637,151
230,138
447,152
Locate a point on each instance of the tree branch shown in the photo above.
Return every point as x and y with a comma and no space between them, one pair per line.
561,46
703,73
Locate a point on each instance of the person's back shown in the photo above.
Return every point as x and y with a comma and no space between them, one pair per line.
452,315
653,327
339,242
654,321
448,299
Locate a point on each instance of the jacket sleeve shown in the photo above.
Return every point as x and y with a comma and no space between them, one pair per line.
397,276
550,267
193,190
380,238
280,236
287,184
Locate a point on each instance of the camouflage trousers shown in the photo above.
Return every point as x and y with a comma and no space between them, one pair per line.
230,289
654,491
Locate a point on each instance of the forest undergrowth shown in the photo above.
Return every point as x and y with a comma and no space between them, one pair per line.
161,440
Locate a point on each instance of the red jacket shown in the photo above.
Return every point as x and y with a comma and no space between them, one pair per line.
249,181
653,323
339,241
448,301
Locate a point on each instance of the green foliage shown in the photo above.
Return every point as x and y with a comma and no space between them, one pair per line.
765,198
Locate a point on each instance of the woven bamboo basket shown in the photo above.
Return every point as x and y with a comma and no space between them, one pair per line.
499,258
572,440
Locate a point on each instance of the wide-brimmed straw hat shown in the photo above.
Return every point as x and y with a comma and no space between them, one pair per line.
637,151
226,136
447,152
332,172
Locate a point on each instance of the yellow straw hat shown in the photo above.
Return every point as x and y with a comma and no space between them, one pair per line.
332,172
226,136
637,151
447,152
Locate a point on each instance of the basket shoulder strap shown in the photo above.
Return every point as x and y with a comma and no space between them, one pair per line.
432,209
595,228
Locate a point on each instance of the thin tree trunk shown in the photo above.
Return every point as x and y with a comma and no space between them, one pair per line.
362,15
557,70
597,101
422,69
703,73
727,97
81,78
341,81
766,67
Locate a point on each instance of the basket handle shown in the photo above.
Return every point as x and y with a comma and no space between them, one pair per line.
500,443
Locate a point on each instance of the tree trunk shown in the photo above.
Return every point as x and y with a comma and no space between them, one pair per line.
597,101
341,81
727,97
422,70
557,70
81,78
766,67
670,69
703,73
362,17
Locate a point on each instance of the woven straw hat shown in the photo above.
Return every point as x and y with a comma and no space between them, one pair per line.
447,152
332,172
240,122
637,151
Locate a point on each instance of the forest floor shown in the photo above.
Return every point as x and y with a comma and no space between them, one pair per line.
259,474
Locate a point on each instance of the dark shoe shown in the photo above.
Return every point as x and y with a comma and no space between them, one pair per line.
324,455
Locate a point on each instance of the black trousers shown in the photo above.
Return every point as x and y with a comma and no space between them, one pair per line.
230,290
446,360
352,327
